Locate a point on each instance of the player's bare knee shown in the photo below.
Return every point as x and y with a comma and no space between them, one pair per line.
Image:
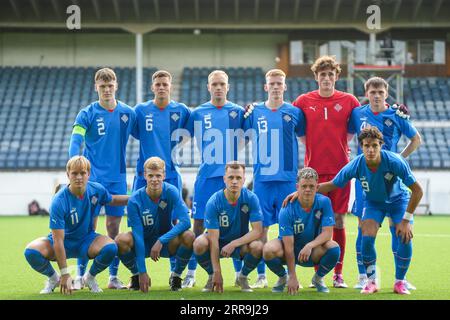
256,248
269,251
330,244
124,242
200,245
188,238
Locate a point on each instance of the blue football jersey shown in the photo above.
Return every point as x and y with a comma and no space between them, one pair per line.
151,221
106,140
155,129
232,220
274,140
74,215
305,226
388,122
214,129
386,184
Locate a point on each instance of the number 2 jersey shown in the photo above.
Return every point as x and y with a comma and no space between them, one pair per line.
106,139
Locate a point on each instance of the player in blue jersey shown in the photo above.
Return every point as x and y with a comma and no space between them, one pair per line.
305,237
157,121
73,220
213,124
385,178
275,125
104,127
151,212
227,216
377,113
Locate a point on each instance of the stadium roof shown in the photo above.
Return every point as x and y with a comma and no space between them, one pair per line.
252,15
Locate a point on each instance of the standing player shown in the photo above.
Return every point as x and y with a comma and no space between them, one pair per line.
384,176
156,121
275,152
213,124
327,112
377,113
227,216
151,212
104,126
73,220
305,232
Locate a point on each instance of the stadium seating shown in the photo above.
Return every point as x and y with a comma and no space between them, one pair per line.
38,106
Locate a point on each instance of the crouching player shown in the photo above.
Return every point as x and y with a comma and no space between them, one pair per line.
151,212
227,216
73,219
305,236
384,176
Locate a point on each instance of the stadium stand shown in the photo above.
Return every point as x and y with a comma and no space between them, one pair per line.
39,105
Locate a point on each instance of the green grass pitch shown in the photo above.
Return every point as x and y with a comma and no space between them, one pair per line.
429,269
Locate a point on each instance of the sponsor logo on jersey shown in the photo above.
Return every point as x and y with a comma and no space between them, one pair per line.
313,108
94,200
149,115
163,205
124,118
363,118
146,212
388,176
287,118
233,114
73,210
223,213
298,221
175,117
388,122
338,107
100,119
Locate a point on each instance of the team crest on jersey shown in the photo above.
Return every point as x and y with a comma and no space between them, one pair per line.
388,122
163,205
233,114
388,176
175,117
94,200
124,118
318,214
338,107
244,208
287,118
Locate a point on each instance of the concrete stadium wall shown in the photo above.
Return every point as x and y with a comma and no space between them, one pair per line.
165,51
20,188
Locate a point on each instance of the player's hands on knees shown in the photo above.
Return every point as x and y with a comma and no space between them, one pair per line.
404,231
65,284
156,250
292,285
290,198
305,253
144,282
217,285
